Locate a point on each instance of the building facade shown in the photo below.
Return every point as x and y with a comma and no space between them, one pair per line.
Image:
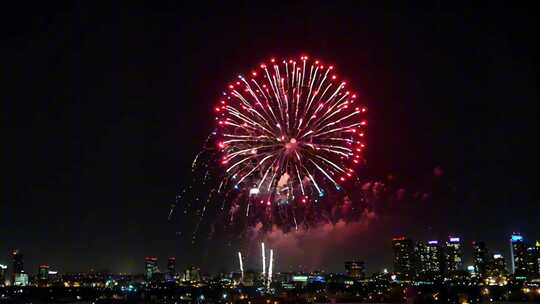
497,266
355,269
481,258
150,267
43,275
404,257
171,266
3,271
533,260
18,264
453,255
518,251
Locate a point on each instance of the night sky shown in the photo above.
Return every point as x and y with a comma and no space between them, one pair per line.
105,107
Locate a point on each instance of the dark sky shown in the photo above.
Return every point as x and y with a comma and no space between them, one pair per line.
105,107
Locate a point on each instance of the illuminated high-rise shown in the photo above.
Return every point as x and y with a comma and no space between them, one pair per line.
355,269
429,257
18,264
192,274
403,256
453,255
518,251
480,257
533,260
3,270
150,267
43,275
496,266
21,279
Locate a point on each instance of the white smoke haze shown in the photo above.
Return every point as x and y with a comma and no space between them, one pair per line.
311,248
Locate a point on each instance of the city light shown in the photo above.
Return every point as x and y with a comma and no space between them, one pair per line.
417,263
516,238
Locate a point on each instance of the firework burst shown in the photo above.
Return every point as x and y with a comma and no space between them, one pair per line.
289,135
289,130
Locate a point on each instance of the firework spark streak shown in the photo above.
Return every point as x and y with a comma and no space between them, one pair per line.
289,136
241,264
263,260
270,269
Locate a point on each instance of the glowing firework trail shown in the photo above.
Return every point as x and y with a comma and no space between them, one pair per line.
241,265
270,268
288,130
263,260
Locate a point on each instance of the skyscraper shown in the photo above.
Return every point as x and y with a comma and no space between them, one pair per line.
480,257
428,260
192,274
431,258
43,275
171,266
497,266
3,270
518,253
533,260
18,264
403,256
420,257
21,279
150,267
453,255
355,269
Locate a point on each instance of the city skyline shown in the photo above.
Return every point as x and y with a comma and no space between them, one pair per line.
413,255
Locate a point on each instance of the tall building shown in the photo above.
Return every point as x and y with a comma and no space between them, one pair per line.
54,277
20,279
171,266
43,275
150,267
518,252
403,256
192,274
3,270
355,269
420,257
481,257
533,260
453,256
497,266
18,264
429,257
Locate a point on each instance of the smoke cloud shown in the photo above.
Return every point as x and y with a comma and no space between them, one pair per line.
313,247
